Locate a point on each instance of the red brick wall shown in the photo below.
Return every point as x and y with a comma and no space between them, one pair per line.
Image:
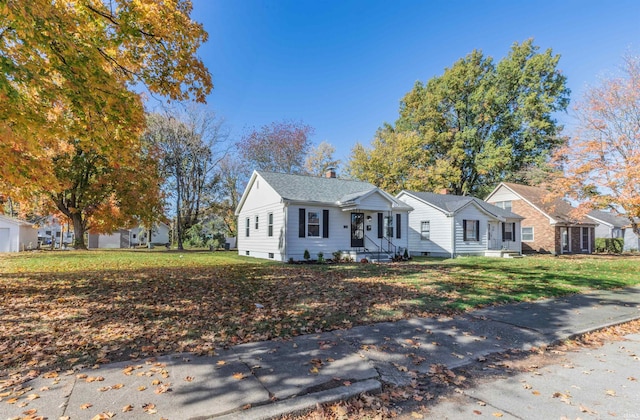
544,235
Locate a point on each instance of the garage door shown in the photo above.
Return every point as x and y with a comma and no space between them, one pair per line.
4,240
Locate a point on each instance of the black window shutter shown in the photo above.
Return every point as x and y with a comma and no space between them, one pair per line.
503,231
464,230
301,223
398,226
325,223
380,226
513,235
477,230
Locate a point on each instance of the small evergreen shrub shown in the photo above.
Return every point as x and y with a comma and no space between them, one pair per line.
610,245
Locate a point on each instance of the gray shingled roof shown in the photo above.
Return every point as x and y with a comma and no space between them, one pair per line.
612,219
316,189
453,203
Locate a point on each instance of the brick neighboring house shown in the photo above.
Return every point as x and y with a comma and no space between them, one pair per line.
547,226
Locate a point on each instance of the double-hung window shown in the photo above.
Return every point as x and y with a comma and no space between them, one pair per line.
527,233
471,230
257,219
313,224
270,224
425,230
247,227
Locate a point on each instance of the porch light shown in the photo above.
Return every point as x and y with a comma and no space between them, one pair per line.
368,218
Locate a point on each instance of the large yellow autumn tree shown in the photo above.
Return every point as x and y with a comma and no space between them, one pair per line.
70,116
601,161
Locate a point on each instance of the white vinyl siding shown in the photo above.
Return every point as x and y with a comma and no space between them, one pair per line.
439,243
502,194
261,201
471,246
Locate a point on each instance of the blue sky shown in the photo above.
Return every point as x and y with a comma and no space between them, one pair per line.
343,66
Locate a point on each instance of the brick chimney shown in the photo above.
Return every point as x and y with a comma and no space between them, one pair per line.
331,173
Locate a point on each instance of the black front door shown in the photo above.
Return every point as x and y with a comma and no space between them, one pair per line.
357,230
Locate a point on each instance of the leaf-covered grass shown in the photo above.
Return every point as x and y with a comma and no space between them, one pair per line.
59,309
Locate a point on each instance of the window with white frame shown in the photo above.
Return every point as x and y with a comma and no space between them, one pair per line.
471,230
257,219
527,233
425,230
313,224
247,227
503,205
270,224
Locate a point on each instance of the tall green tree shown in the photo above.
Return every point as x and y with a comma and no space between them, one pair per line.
477,124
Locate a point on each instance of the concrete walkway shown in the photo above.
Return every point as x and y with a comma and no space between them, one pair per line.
267,379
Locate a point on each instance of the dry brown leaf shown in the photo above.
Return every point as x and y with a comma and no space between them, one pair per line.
610,392
142,388
127,408
416,415
85,406
498,414
32,397
238,375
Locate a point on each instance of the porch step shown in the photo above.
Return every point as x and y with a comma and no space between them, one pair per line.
502,253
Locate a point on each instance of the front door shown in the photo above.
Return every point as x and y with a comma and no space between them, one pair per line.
494,242
357,230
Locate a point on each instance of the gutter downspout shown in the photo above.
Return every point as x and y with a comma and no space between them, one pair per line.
285,209
453,235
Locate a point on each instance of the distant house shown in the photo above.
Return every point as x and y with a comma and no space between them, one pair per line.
17,235
127,238
615,226
51,230
548,226
281,215
449,225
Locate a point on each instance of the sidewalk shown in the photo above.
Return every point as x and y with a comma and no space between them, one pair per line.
267,379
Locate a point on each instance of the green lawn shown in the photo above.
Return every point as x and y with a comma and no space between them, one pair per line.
61,308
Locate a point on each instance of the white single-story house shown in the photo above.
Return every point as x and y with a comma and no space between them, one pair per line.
615,226
17,235
282,215
445,225
159,235
127,238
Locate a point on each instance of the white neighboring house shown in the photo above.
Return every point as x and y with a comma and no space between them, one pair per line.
51,230
17,235
281,215
127,238
159,235
444,225
615,226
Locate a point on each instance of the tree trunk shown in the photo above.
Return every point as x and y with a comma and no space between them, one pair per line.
78,231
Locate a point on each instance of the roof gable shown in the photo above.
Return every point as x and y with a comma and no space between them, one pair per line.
451,204
608,218
556,209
